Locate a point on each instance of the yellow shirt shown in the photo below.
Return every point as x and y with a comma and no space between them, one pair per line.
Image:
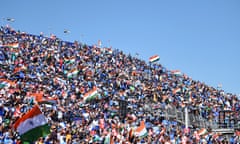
68,137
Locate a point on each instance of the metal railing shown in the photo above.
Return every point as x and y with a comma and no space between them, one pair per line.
198,121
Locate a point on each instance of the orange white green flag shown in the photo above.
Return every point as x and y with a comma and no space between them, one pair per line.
141,131
154,58
90,95
13,45
32,125
202,131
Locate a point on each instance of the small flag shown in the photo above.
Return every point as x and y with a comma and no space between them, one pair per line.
176,72
72,73
154,58
108,51
6,83
90,95
47,100
202,131
18,69
12,45
37,96
141,131
70,60
32,125
177,90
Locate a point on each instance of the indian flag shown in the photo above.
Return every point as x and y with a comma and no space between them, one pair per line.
141,131
92,94
70,60
109,51
48,100
202,131
154,58
13,45
32,125
176,72
72,73
177,90
5,83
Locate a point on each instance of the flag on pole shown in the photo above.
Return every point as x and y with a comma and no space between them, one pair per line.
154,58
141,131
32,125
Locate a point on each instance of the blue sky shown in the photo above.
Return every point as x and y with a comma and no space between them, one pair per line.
199,37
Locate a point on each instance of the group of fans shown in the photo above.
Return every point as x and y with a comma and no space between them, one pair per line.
83,86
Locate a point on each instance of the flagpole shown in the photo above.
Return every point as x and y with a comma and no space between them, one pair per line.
186,116
149,73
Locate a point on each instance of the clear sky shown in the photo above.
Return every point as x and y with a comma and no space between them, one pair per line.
199,37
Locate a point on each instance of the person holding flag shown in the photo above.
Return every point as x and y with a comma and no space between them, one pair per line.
32,125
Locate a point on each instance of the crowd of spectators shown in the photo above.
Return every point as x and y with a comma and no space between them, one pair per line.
35,64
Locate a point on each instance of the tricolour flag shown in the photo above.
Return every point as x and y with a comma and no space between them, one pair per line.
109,51
32,125
92,94
154,58
177,90
5,83
70,60
72,73
12,45
141,131
176,72
202,131
47,100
